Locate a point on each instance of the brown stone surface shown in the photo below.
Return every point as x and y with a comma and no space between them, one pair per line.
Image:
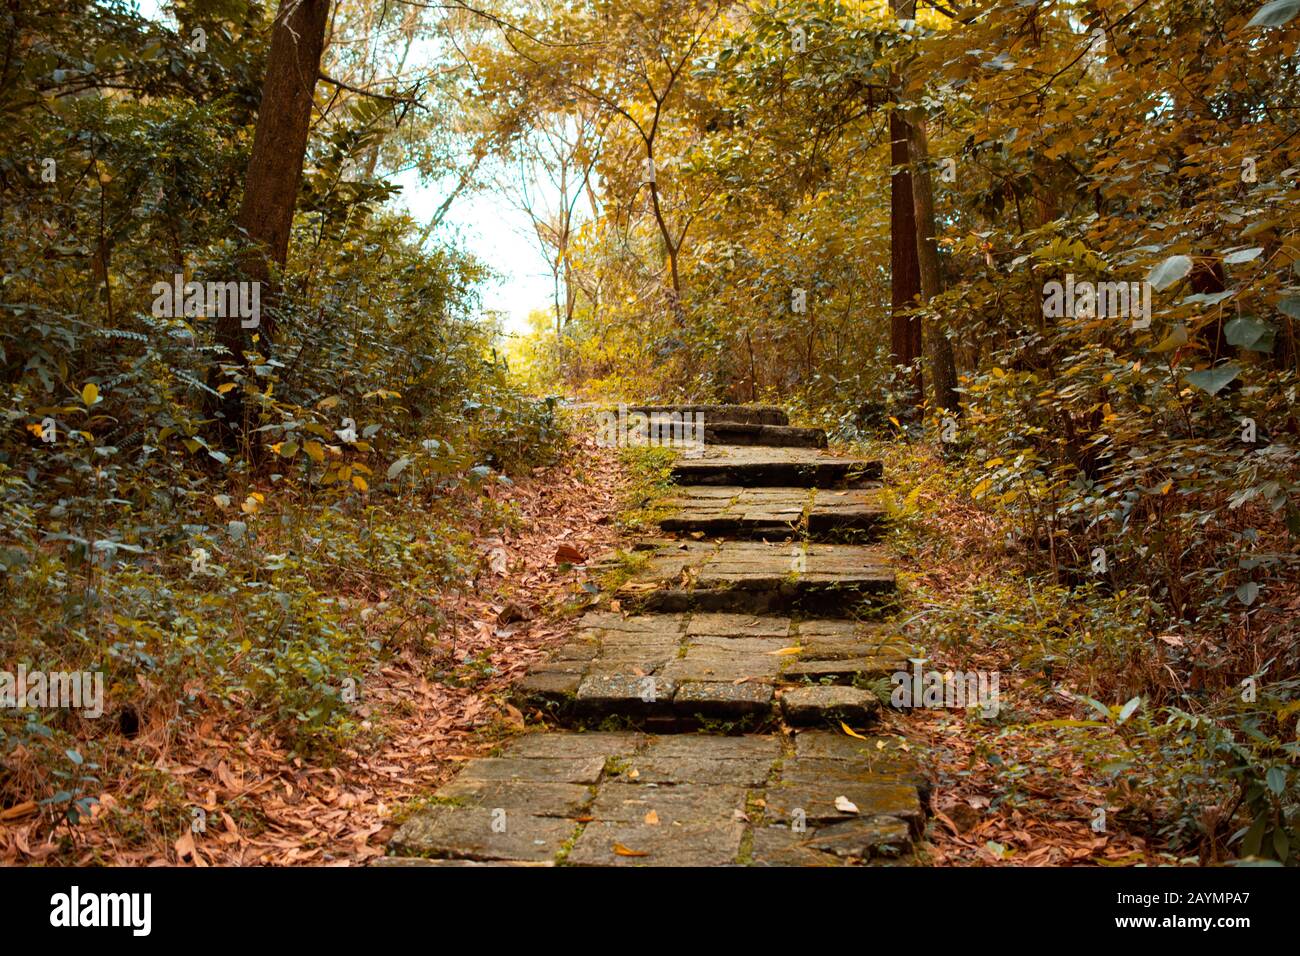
821,703
773,512
703,666
744,414
745,433
758,466
758,577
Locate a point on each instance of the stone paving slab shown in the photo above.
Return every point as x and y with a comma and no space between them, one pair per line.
481,833
672,800
773,512
741,414
835,580
758,466
693,668
780,436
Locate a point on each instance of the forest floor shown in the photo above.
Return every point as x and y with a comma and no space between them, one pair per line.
1023,789
430,706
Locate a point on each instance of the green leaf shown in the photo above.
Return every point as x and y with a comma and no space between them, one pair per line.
1096,705
397,467
1212,380
1281,844
1127,711
1249,333
1291,304
74,756
1255,836
1276,779
1169,272
1275,14
1247,593
1242,255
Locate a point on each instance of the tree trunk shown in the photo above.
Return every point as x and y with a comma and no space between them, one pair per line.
905,270
943,368
279,145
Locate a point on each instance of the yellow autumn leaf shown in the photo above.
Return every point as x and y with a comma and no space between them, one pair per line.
850,731
980,488
359,483
315,450
225,387
783,652
90,393
621,850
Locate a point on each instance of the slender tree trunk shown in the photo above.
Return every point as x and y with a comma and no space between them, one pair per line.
943,367
905,270
279,145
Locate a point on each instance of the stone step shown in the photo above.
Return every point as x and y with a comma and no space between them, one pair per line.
741,414
629,799
832,580
782,436
820,514
757,466
676,671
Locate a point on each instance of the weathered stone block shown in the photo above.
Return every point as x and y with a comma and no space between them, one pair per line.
811,705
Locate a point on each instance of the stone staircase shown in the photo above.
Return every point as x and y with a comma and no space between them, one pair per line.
704,719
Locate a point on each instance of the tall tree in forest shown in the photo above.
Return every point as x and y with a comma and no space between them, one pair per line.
904,269
279,145
943,368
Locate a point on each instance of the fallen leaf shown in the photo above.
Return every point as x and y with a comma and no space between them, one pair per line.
652,819
568,554
853,733
621,850
18,811
845,805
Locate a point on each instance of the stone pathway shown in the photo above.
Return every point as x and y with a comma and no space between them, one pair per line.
701,721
